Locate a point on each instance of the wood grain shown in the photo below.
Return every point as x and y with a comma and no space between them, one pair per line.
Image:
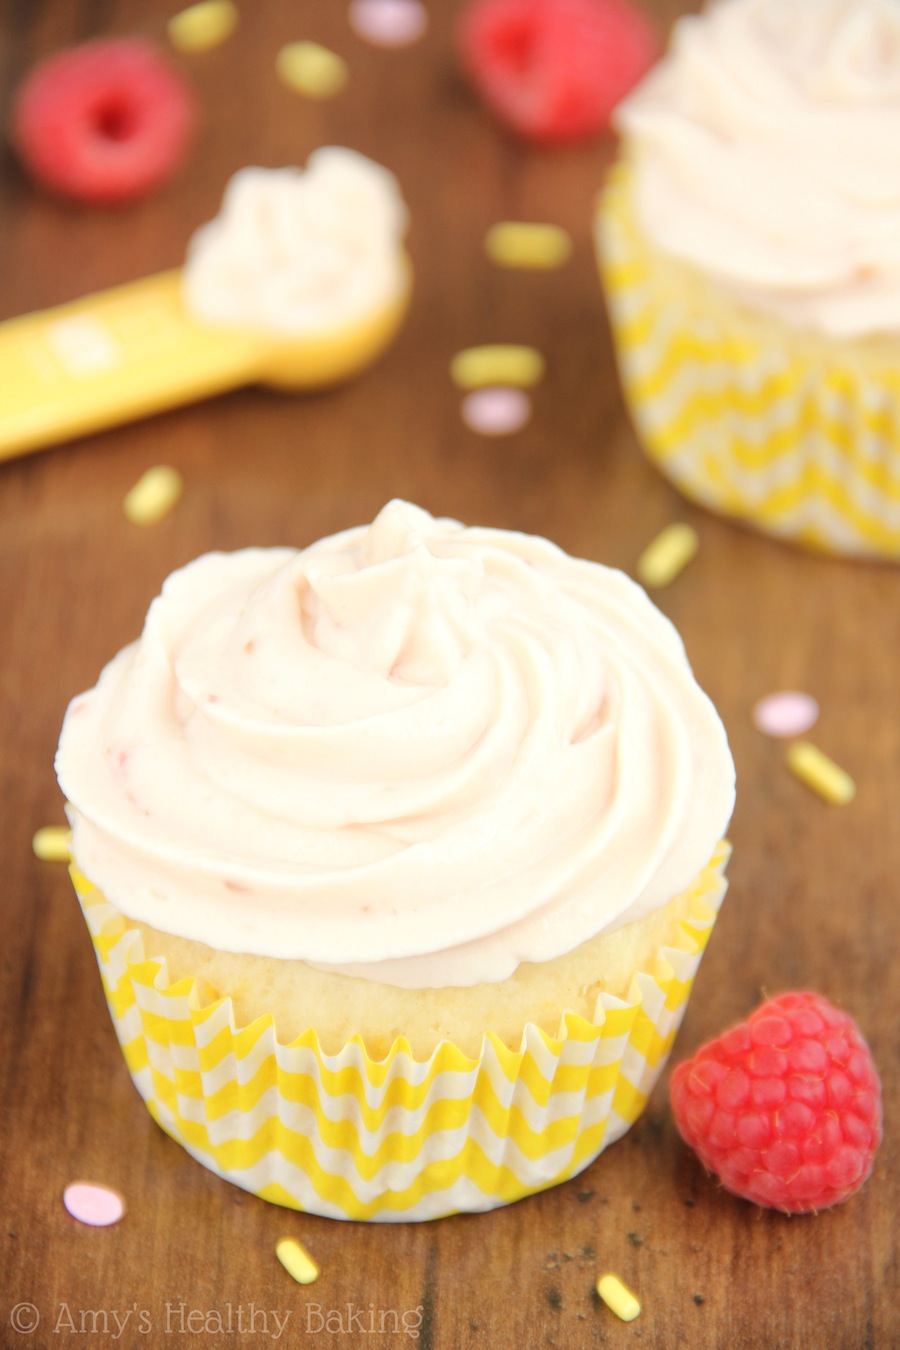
813,897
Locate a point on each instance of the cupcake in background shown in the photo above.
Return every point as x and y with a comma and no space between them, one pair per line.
749,241
399,854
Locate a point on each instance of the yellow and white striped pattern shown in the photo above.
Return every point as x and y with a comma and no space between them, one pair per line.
795,433
352,1138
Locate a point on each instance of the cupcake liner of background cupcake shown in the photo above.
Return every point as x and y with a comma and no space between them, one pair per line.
349,1137
791,432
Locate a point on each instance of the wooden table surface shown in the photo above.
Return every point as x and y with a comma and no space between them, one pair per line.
813,900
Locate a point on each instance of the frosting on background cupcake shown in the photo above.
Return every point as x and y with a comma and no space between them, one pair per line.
766,148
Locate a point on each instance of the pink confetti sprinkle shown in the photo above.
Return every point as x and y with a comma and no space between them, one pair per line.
93,1204
496,411
788,713
389,23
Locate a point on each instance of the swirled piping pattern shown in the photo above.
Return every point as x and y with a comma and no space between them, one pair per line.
766,149
414,751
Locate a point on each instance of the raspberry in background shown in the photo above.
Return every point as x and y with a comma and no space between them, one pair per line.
104,122
554,70
784,1108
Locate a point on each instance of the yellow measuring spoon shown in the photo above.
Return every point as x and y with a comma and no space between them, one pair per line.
139,348
136,350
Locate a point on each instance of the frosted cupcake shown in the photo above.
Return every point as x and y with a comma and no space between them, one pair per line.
750,248
399,854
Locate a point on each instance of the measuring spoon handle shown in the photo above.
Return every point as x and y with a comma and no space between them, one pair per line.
112,357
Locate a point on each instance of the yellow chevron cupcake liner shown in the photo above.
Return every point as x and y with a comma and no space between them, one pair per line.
349,1137
794,433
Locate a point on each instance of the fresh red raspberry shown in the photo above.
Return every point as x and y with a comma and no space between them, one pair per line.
103,122
786,1107
553,70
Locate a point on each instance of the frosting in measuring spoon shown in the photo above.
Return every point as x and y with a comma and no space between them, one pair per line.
298,252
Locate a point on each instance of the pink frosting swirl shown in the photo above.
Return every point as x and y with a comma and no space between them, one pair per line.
766,152
414,752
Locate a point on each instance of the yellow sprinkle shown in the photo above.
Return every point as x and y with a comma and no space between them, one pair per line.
202,27
155,493
518,243
480,367
311,70
669,553
296,1260
51,843
618,1298
820,773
